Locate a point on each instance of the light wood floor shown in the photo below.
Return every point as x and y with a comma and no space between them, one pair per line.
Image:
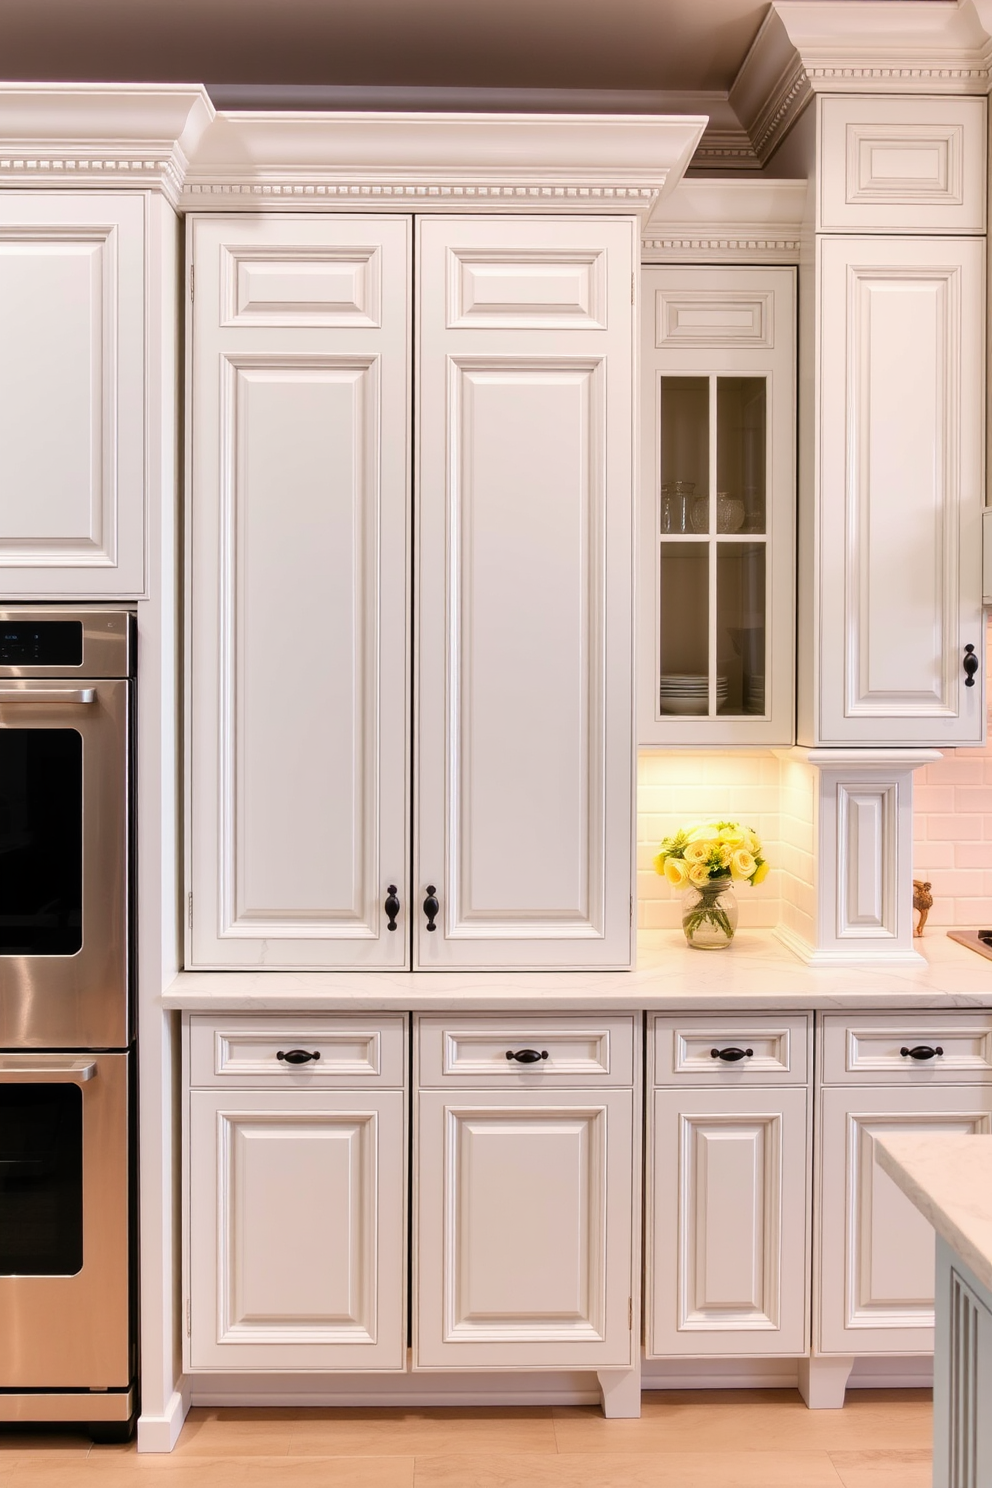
705,1439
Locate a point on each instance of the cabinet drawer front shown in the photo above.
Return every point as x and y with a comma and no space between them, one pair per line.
244,1050
897,164
774,1050
870,1049
580,1051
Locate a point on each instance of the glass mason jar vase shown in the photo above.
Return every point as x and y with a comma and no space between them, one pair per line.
709,914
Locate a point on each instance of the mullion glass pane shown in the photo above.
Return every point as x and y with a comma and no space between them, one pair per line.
41,1180
740,454
740,627
684,651
684,454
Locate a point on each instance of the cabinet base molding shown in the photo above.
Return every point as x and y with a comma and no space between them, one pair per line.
350,1392
814,957
621,1392
160,1433
823,1382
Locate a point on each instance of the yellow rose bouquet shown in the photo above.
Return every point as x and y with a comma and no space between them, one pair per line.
706,860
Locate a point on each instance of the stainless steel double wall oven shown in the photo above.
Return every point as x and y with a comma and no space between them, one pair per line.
66,1221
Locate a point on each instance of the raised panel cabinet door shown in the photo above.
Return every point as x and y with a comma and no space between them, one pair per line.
901,490
874,1256
524,584
298,573
72,394
716,542
728,1206
523,1225
297,1222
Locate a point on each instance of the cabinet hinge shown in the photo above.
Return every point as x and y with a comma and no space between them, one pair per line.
630,1314
631,909
189,910
189,1324
192,271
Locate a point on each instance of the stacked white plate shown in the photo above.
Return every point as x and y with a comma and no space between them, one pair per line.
685,693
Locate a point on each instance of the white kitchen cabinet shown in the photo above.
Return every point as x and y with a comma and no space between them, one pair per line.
901,492
72,394
524,647
523,1222
717,533
298,590
874,1253
296,1197
728,1190
301,532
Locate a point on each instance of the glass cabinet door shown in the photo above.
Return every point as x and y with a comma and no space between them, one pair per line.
712,519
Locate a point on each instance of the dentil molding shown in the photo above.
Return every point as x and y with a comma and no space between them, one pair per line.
746,220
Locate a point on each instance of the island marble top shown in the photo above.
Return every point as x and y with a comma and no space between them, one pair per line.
948,1176
757,973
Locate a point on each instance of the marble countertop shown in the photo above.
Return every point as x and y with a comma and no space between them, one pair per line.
948,1176
757,973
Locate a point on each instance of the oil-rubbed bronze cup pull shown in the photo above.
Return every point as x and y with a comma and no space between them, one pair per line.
731,1055
527,1056
298,1056
922,1051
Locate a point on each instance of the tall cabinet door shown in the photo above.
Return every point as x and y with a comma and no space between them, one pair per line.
298,572
523,813
901,458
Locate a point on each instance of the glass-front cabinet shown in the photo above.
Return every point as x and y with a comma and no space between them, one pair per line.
717,517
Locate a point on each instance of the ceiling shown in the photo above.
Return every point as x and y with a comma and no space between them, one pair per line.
649,45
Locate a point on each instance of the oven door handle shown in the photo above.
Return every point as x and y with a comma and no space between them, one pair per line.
51,695
27,1069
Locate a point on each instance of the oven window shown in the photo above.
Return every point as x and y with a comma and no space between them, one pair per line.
41,842
41,1180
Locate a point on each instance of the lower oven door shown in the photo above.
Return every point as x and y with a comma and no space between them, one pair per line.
64,1247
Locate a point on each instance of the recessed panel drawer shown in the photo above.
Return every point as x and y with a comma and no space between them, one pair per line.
754,1050
526,1050
251,1051
939,1047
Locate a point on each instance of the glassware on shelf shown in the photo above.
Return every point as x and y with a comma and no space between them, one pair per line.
729,512
676,506
699,514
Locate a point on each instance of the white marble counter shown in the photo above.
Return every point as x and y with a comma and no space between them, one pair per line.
948,1176
758,973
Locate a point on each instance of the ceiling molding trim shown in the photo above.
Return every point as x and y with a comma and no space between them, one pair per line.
545,162
739,221
771,89
79,135
888,46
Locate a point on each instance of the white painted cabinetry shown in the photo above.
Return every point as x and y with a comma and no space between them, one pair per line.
298,589
301,528
72,394
524,1193
296,1194
728,1190
875,1251
717,541
901,459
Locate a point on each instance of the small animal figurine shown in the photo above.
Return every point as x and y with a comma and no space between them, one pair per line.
922,901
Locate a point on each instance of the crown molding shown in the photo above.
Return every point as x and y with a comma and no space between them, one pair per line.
59,135
771,89
890,46
739,221
540,162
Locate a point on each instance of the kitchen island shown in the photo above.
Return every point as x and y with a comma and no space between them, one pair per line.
949,1179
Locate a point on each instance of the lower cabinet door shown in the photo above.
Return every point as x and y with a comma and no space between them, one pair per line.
296,1230
874,1279
523,1230
727,1223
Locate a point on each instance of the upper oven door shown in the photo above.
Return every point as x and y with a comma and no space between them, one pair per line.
63,864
